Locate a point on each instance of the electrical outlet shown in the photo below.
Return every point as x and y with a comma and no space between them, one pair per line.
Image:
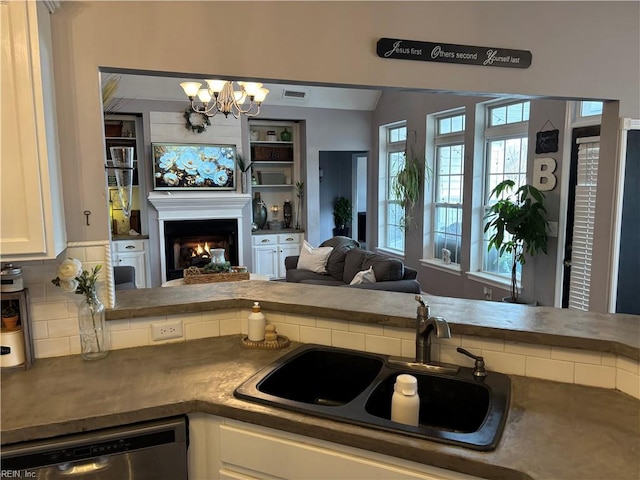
487,293
165,331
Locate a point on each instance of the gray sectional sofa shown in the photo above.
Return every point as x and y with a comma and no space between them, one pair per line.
347,259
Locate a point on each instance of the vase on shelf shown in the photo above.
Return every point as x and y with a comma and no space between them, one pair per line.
259,211
94,343
244,182
285,135
287,212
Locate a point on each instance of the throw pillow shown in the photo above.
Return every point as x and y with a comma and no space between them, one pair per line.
365,276
335,264
387,268
353,264
314,259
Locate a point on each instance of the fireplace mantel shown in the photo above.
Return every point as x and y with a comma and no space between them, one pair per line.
196,205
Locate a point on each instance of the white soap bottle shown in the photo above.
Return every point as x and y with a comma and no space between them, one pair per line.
257,323
405,402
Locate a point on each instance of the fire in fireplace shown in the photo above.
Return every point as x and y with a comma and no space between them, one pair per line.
189,243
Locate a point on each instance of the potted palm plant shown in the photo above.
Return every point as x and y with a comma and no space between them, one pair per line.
342,214
518,225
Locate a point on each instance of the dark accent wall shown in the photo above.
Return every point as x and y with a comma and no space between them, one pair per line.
628,300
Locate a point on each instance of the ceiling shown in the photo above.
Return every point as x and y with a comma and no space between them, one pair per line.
143,87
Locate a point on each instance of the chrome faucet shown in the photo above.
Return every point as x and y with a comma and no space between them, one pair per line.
425,324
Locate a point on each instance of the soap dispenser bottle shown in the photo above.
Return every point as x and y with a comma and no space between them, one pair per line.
405,402
257,323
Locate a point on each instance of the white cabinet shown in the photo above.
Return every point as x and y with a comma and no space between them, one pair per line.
132,253
228,449
269,252
32,220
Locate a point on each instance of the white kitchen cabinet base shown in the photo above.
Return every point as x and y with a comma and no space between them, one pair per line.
242,451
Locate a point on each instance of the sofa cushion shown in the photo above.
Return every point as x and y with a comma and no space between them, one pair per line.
314,259
335,263
353,264
299,276
364,276
328,281
386,268
339,241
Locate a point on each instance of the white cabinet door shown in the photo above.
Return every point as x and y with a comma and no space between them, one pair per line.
265,260
32,223
285,251
228,449
257,452
137,261
132,253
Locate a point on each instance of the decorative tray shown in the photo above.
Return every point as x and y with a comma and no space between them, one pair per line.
198,275
280,342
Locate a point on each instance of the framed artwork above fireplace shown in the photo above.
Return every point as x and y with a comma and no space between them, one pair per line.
179,166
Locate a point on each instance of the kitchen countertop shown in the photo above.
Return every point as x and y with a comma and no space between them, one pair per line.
610,333
553,430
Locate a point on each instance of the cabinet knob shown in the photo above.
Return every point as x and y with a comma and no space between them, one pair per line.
129,247
265,241
289,239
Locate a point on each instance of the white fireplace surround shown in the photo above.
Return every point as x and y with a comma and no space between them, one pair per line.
176,206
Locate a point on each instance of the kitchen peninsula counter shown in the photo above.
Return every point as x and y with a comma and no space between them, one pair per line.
608,333
553,430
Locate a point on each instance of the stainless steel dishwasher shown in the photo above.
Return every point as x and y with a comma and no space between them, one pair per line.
154,450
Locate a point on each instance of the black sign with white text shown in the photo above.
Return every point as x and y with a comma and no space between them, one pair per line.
451,53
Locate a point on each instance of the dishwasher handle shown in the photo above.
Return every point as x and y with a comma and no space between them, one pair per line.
83,468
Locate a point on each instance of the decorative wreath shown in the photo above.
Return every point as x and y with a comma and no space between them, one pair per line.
196,122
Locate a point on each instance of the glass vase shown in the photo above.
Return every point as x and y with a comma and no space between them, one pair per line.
94,342
259,211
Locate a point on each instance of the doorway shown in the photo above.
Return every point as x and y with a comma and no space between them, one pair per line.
342,174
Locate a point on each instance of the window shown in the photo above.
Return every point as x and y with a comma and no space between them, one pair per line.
584,223
392,161
590,109
449,175
506,140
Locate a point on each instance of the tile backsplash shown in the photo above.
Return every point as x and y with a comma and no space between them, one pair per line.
55,332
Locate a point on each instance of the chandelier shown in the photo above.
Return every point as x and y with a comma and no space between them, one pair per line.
220,97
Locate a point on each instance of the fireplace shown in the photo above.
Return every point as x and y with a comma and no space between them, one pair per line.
188,243
213,210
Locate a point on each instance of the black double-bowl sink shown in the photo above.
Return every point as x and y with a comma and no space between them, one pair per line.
356,387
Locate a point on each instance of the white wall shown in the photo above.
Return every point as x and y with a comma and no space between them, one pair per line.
580,49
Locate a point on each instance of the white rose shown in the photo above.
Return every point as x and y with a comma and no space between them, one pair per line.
69,269
69,286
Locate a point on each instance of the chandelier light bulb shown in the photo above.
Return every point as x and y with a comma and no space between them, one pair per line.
260,95
251,88
239,96
216,86
204,95
190,88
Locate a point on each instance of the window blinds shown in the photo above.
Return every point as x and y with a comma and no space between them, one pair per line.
584,215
